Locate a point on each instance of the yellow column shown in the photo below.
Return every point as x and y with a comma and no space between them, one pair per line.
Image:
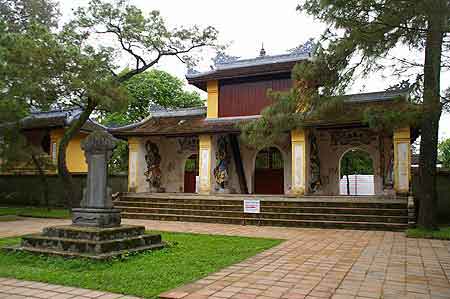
213,99
205,150
402,160
298,141
133,144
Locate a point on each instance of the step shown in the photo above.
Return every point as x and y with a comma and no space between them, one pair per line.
88,246
68,254
280,203
269,215
93,233
265,208
270,222
265,197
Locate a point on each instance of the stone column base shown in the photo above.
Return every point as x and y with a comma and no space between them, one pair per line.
96,217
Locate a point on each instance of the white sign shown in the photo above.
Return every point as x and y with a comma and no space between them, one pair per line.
252,206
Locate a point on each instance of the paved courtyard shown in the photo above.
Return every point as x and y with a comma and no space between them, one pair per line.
311,263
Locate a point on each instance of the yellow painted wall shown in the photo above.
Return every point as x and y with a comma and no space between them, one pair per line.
298,138
402,136
133,144
76,162
205,152
213,99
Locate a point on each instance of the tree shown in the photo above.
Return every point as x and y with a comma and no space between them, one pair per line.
152,88
444,152
143,39
26,81
362,36
48,66
355,162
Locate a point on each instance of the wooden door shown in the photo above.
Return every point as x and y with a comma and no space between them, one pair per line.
269,172
190,174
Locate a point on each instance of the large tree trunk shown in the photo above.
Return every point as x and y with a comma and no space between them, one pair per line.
37,162
71,132
432,112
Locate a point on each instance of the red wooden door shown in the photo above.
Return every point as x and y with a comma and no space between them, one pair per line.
269,172
190,174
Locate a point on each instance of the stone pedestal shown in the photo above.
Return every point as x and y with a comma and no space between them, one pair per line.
96,217
95,231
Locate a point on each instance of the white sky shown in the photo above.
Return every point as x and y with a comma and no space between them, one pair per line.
247,24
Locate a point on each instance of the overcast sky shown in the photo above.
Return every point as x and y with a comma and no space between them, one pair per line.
248,24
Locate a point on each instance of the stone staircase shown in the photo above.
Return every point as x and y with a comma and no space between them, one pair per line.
357,212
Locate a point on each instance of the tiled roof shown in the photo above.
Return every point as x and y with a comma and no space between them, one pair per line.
58,118
377,96
187,121
238,68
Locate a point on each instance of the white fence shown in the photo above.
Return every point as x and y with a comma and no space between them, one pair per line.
360,184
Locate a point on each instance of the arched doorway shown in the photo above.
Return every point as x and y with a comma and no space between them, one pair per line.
269,172
356,173
190,174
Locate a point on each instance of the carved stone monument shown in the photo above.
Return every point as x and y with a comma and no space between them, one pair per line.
96,231
96,208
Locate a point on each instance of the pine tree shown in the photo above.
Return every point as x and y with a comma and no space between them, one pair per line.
362,35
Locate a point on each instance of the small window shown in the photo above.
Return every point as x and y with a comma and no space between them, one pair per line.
269,158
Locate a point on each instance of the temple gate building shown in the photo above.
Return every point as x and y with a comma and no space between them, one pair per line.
198,150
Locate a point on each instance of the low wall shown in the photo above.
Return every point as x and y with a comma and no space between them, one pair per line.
28,189
443,193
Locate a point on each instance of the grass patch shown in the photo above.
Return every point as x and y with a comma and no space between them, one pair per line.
443,233
8,218
35,212
189,257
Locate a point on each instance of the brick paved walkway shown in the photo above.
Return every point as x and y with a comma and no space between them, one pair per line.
314,263
20,289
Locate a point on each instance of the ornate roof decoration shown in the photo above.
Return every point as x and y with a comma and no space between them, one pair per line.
262,52
307,48
223,58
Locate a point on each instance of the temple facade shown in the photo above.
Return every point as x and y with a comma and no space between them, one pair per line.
199,150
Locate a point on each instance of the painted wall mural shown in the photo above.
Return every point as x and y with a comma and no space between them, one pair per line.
153,173
221,170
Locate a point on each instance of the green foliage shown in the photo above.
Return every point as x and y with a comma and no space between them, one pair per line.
187,258
35,212
277,119
356,162
119,158
444,152
442,233
45,65
152,88
362,35
42,67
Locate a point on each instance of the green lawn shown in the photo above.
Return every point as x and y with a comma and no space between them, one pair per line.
8,218
443,233
188,258
34,212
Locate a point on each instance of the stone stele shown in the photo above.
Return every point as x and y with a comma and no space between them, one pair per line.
96,231
96,208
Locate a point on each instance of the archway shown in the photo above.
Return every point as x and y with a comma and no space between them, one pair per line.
356,173
269,172
190,174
